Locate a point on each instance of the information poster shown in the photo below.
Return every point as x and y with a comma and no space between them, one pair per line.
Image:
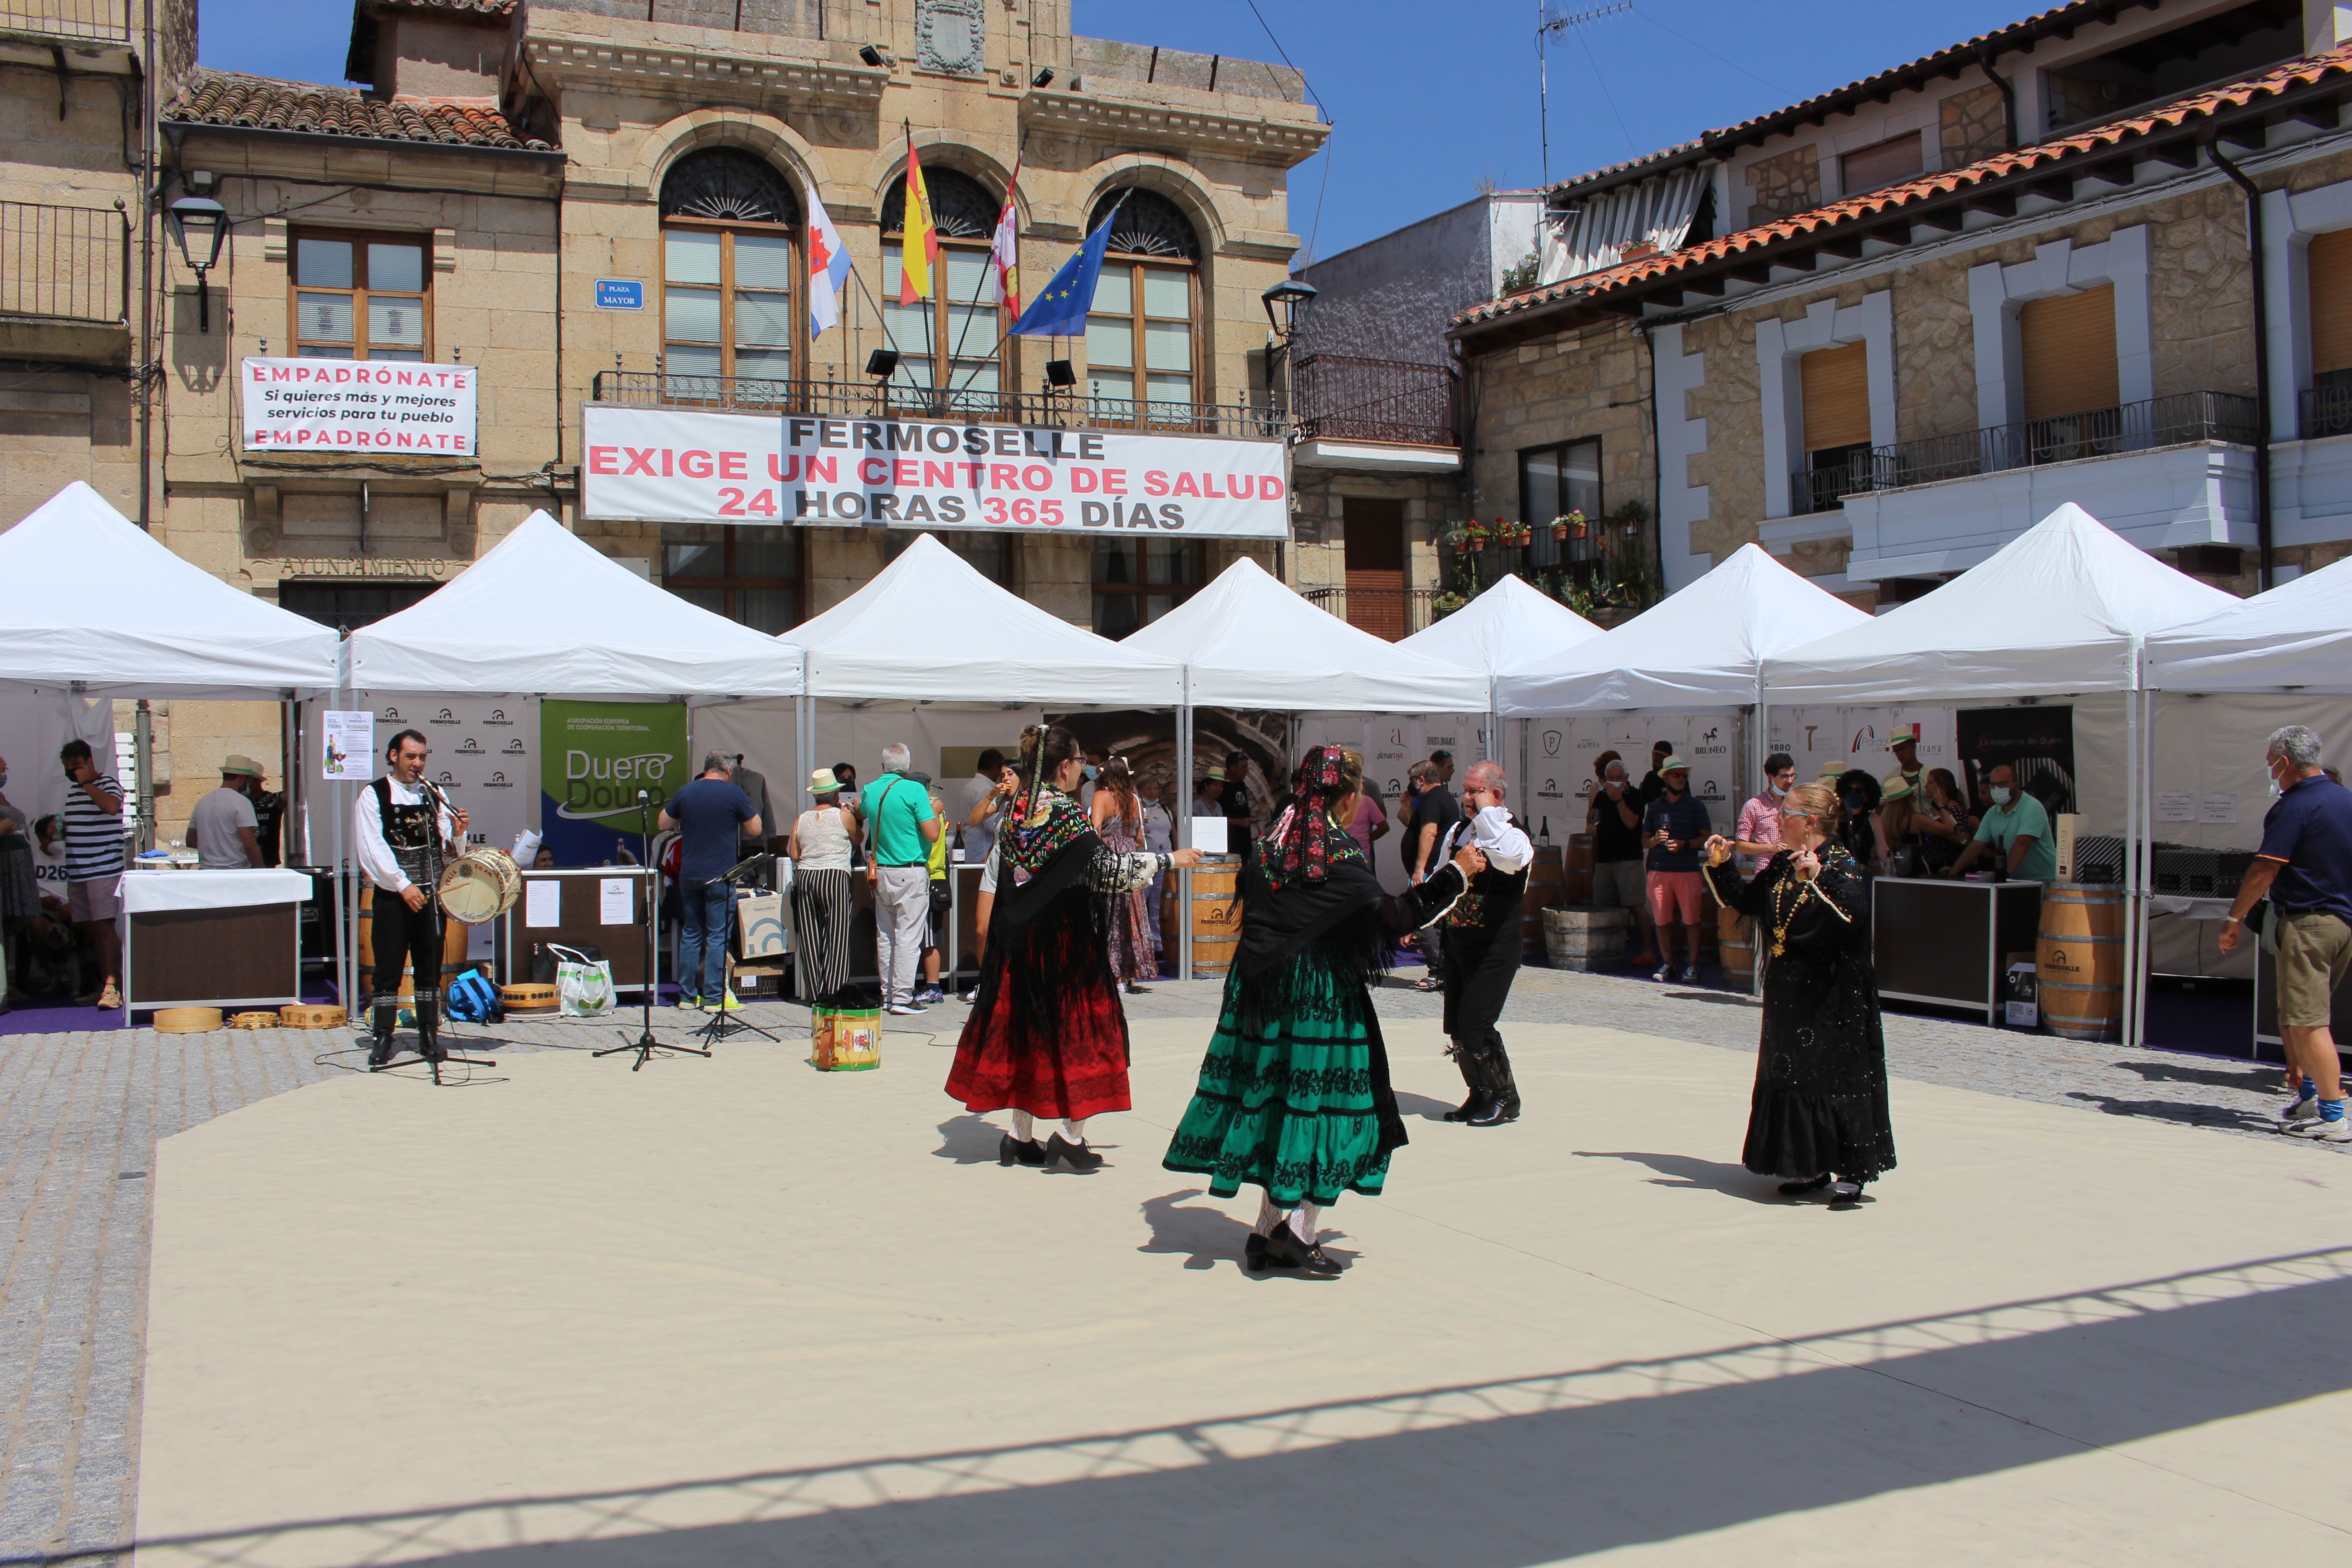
349,750
594,759
353,405
2037,743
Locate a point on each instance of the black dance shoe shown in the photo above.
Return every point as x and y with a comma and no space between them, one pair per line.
1284,1250
1480,1102
1499,1109
380,1055
1846,1195
1257,1260
1026,1152
1801,1189
1078,1157
1135,990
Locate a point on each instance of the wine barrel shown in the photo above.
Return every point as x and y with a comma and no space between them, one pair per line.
1577,878
1736,940
1584,936
1216,915
454,938
1546,888
2078,962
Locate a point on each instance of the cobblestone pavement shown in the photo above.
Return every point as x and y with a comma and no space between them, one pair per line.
80,1115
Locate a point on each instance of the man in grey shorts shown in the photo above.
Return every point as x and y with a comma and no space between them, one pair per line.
2305,867
1619,873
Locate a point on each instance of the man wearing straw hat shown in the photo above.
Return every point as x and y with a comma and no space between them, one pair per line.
223,829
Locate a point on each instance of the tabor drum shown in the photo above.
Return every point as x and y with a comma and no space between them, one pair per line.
480,885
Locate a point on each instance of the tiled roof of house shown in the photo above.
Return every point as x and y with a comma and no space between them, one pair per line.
263,103
455,7
1875,204
2062,21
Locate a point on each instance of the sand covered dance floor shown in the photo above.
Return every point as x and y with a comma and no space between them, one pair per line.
736,1311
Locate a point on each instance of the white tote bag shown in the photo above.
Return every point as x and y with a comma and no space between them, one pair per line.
583,987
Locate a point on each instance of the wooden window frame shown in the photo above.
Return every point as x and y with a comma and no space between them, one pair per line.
727,230
943,349
1179,591
1138,371
359,239
731,581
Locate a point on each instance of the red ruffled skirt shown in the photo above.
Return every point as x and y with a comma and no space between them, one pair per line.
1046,1034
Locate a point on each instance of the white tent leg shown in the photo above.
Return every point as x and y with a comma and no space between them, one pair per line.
1183,816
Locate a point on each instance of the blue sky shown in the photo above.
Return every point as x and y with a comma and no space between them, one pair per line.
1421,113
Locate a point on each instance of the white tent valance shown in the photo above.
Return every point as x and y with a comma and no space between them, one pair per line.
96,605
2059,608
545,612
1702,646
1252,643
930,629
2296,637
1509,621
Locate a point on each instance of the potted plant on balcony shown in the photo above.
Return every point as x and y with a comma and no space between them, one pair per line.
1446,604
1471,535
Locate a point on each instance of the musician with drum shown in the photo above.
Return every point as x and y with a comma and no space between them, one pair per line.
406,830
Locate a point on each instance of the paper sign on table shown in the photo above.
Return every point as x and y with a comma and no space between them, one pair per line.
542,902
1209,835
617,908
2175,805
2218,808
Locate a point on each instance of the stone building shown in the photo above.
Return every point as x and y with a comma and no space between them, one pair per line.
505,171
1884,331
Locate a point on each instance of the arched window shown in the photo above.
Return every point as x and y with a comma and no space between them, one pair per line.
1143,337
953,342
730,269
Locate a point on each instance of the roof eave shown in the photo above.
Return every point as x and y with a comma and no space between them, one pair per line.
554,156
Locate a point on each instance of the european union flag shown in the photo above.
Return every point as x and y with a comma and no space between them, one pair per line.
1060,309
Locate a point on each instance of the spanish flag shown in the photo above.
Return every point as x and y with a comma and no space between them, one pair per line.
918,249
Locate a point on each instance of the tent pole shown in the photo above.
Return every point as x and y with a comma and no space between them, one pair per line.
2146,825
1183,816
1760,747
2134,921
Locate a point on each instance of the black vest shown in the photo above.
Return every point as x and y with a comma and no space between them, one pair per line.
414,835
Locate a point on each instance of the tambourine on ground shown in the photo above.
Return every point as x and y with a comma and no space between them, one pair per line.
479,886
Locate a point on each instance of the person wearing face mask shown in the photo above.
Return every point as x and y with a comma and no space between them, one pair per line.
1858,796
2305,868
2016,829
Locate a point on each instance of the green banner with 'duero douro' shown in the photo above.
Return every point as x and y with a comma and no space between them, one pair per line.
593,759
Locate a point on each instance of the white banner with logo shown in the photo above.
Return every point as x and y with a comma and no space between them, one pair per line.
665,465
358,405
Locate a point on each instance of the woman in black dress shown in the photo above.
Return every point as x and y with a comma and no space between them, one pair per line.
1819,1115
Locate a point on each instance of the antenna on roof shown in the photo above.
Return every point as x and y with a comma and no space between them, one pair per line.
1551,18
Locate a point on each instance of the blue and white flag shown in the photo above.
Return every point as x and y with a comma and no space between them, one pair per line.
828,269
1060,309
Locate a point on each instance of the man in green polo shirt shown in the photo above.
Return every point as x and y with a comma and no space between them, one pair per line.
901,826
2016,829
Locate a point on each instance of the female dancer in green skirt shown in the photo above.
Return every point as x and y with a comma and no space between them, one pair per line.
1293,1097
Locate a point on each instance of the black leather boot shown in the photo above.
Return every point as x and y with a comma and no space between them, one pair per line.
381,1021
428,1026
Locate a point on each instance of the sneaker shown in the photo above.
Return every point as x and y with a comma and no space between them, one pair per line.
971,996
2304,1108
905,1009
688,1003
1690,975
930,996
2320,1131
723,1003
1665,972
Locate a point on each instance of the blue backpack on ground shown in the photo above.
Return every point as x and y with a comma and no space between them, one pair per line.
471,998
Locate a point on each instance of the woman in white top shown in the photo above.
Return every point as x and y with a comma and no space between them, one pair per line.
821,900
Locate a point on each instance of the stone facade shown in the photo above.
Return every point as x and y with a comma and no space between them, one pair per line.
1785,183
1972,124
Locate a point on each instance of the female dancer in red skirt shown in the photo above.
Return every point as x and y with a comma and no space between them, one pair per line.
1047,1038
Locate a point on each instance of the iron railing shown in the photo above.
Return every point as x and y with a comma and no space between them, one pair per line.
2327,411
1390,613
878,400
2176,421
109,20
66,264
1345,398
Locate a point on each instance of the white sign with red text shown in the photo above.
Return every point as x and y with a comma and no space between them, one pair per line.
661,465
358,405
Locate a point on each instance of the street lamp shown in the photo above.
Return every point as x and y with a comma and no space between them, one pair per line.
199,224
1293,298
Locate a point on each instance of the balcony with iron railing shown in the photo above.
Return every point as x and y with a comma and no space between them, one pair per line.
2327,408
85,21
1346,398
64,283
889,400
1388,613
2183,419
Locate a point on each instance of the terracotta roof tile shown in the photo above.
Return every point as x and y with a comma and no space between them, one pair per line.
2297,73
263,103
458,8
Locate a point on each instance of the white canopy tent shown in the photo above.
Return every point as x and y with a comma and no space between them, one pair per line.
147,624
2065,607
545,612
2296,637
1509,622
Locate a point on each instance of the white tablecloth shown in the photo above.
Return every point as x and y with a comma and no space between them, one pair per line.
146,892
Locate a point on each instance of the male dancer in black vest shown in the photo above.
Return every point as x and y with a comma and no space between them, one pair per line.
407,826
1481,949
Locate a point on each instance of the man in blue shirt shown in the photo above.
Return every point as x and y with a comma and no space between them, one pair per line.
1673,828
2305,867
709,814
901,826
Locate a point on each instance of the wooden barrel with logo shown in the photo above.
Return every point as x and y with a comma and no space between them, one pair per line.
2078,962
1736,940
1584,936
1575,882
1547,887
1216,915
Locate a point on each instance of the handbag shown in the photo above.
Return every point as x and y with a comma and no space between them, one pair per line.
942,899
543,960
583,986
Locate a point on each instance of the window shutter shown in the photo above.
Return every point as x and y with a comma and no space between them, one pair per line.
1875,168
2330,263
2069,348
1836,385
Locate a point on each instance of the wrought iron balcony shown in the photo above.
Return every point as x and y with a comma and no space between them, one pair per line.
65,264
2327,411
2177,421
107,21
1390,613
879,400
1344,397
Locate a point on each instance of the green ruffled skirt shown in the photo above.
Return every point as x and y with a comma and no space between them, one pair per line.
1296,1106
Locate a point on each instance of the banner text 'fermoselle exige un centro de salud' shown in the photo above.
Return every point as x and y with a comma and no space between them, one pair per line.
664,464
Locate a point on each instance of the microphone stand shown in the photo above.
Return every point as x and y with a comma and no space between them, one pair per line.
722,1023
645,1045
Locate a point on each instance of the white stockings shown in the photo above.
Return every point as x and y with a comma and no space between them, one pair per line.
1025,1129
1304,1221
